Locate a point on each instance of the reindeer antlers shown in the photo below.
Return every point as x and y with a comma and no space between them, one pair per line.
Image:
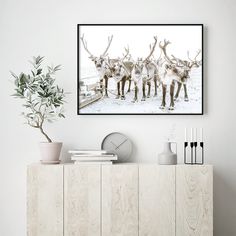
126,53
109,44
194,61
152,48
195,58
159,59
163,47
85,46
179,62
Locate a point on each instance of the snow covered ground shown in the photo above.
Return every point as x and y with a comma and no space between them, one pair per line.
151,105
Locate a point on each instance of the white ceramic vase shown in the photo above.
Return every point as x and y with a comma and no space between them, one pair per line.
167,157
50,152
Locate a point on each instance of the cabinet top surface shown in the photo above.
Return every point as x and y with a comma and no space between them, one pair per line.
116,164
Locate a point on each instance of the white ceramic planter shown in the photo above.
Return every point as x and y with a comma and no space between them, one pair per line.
50,152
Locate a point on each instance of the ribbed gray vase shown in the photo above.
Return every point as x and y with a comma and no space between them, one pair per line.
167,157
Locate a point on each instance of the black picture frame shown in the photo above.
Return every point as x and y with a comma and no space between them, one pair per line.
171,113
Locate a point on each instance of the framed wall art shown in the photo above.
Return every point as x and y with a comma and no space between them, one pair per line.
140,69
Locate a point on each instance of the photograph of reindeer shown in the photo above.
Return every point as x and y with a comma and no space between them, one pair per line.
140,69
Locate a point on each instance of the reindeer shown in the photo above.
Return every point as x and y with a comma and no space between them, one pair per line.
187,67
171,73
136,76
149,72
121,71
101,64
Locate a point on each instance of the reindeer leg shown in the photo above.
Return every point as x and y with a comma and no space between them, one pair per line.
185,93
172,88
135,92
178,90
123,88
149,88
106,85
144,92
129,85
163,103
155,87
118,90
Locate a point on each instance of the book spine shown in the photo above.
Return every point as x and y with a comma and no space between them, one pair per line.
87,152
92,159
92,155
93,162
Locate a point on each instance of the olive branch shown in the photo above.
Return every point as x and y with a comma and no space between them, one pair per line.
43,99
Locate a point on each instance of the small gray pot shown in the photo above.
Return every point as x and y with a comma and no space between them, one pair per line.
167,157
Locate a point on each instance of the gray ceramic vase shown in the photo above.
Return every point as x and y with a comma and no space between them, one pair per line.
167,157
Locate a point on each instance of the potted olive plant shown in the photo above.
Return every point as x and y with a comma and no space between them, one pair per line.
43,102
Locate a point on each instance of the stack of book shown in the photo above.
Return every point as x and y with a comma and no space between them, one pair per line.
92,157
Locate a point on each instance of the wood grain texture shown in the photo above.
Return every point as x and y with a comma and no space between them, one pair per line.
82,200
156,200
120,200
194,200
45,200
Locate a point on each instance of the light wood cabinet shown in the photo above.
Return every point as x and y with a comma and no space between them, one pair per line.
120,200
45,200
194,198
82,200
156,200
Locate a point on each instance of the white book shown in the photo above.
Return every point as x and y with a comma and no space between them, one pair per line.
93,155
94,158
93,162
92,152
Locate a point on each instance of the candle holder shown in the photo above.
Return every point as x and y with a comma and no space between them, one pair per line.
201,144
193,153
185,155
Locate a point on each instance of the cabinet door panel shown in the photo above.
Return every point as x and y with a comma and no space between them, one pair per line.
120,200
45,200
82,192
194,200
156,200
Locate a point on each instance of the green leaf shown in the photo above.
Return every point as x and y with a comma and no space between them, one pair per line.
56,68
41,94
38,59
61,115
16,95
27,106
14,75
39,71
16,82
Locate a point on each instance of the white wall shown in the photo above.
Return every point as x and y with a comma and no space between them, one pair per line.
49,28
